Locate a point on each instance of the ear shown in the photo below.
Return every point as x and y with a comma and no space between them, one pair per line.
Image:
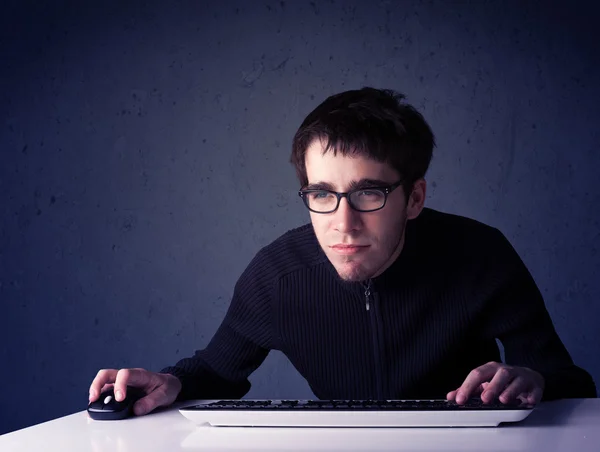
416,200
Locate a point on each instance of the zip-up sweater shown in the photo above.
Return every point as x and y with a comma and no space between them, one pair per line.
415,331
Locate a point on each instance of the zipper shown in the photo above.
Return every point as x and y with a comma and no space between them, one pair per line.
375,339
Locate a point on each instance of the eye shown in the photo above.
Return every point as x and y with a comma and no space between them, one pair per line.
319,194
368,193
321,197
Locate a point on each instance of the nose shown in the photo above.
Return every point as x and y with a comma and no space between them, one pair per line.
346,219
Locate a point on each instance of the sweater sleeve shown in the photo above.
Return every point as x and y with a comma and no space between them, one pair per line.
517,316
240,344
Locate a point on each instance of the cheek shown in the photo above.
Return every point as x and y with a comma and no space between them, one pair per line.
320,221
384,227
377,224
320,224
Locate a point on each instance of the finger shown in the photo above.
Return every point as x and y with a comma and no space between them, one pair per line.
102,377
535,396
504,376
452,394
517,387
107,387
523,397
131,377
146,404
532,397
474,380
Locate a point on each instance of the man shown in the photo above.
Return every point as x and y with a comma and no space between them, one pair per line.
379,297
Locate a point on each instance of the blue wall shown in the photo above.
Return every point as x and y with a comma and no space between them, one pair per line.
144,160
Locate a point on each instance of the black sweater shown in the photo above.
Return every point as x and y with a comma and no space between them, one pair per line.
423,325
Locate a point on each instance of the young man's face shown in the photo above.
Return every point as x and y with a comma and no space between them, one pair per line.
360,245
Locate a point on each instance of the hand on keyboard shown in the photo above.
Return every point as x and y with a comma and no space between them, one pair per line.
501,383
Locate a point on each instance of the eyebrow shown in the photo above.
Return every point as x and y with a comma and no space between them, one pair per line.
363,183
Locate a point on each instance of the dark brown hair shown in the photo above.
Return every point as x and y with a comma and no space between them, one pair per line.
371,122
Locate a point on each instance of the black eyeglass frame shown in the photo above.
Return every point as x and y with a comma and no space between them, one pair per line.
386,190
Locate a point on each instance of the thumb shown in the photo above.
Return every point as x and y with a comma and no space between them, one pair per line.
150,402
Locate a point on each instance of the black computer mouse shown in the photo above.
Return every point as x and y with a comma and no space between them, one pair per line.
106,408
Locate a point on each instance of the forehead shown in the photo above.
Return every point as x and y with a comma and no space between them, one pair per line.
344,170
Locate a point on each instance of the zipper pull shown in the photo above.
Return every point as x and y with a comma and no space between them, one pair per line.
368,296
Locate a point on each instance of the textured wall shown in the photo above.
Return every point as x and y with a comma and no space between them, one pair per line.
144,160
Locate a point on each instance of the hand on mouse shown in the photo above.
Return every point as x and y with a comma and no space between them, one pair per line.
160,389
498,381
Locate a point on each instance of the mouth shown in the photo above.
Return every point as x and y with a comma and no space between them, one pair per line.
346,250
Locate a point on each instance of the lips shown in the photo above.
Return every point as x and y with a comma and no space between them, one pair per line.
346,249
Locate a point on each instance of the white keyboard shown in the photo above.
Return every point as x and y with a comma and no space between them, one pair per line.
353,413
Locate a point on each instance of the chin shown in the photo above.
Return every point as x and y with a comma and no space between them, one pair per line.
352,272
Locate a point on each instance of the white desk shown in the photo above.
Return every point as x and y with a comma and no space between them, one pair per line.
565,425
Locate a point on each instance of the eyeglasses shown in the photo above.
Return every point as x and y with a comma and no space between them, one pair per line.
362,199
